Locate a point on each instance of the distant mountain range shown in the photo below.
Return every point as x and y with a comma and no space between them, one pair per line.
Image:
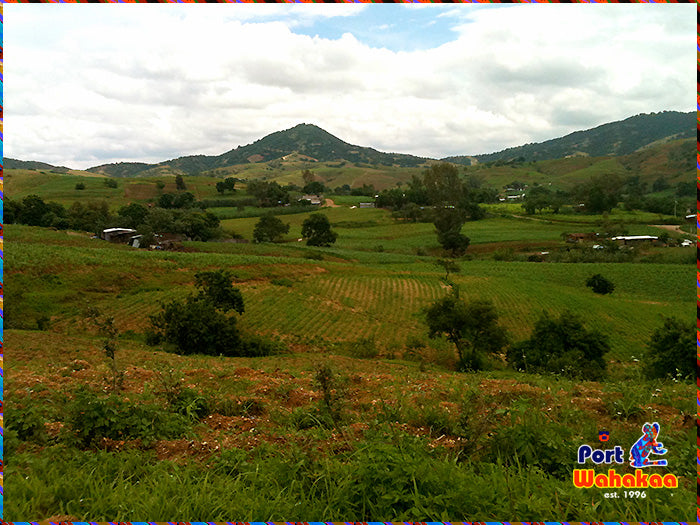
307,140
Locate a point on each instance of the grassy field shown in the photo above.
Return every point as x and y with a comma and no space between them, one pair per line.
392,433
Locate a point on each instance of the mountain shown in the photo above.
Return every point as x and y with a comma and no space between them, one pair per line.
313,143
307,140
14,164
616,138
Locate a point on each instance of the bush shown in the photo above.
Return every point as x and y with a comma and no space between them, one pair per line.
600,284
27,424
363,348
90,417
561,346
80,186
671,351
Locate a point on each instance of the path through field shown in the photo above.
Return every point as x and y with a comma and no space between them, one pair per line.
331,204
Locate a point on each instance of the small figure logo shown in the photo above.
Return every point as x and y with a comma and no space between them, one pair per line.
646,445
603,436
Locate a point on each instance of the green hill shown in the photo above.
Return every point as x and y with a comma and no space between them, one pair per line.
616,138
14,164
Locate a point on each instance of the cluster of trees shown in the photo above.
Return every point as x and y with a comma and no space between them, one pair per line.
228,184
316,229
196,224
366,190
32,210
94,216
603,193
442,197
558,345
268,194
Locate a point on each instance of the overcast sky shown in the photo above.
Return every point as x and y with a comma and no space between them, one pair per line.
97,83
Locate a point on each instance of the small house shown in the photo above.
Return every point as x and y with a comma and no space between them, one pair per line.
367,205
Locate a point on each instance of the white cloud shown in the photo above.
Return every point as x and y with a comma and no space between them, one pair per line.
152,82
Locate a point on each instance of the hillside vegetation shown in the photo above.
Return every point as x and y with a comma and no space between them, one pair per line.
209,377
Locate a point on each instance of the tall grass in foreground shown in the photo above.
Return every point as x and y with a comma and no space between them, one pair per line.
386,477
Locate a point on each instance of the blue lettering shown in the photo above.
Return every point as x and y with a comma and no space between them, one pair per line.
601,456
584,451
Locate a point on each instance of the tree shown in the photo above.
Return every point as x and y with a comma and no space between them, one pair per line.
195,326
216,286
133,215
317,230
671,350
449,266
471,326
537,199
269,229
599,194
314,188
111,183
600,284
268,193
448,225
561,346
180,183
442,184
200,324
80,186
308,176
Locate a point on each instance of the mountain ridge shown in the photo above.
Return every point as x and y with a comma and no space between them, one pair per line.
613,138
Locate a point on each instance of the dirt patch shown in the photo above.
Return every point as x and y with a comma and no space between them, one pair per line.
670,227
330,204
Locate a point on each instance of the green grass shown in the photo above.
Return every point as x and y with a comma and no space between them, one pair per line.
412,439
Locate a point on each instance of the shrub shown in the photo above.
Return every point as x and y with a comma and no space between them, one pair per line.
532,439
190,403
363,348
80,186
27,424
90,417
600,284
561,346
671,351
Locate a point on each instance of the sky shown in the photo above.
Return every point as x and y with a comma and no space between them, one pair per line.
90,84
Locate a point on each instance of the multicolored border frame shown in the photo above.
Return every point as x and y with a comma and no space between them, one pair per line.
2,493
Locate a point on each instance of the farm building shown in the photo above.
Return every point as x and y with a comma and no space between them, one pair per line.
627,240
367,205
118,234
313,199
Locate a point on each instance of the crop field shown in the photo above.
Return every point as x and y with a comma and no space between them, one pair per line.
357,413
